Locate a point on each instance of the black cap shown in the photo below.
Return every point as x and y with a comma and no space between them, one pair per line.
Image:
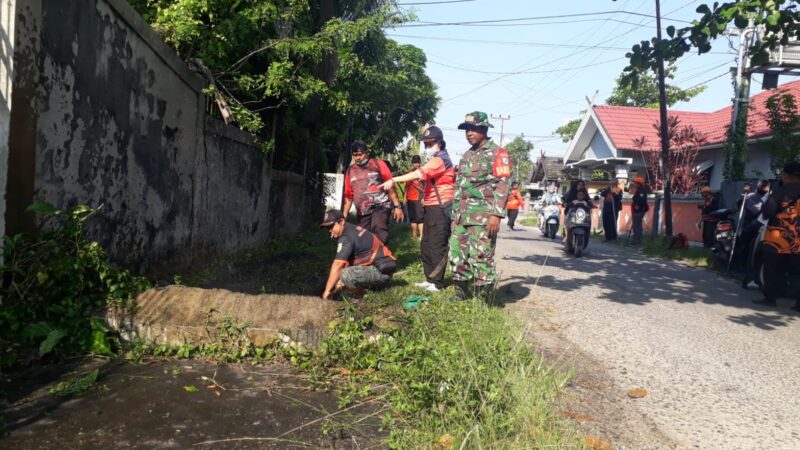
792,168
416,159
331,217
432,132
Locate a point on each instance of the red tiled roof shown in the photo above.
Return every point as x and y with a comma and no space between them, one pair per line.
624,124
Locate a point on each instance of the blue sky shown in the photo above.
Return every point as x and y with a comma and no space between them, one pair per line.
562,60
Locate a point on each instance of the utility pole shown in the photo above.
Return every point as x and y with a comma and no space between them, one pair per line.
502,123
741,91
662,106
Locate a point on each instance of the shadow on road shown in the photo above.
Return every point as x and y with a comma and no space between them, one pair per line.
624,276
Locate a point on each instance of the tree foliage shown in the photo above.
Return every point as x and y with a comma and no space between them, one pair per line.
784,121
780,20
520,152
685,143
301,73
646,93
568,130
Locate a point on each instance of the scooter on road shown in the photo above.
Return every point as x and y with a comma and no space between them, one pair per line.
577,226
549,218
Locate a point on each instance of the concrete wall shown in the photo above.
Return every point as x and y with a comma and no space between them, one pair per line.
122,123
7,22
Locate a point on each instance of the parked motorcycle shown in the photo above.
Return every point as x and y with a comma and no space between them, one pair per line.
578,224
724,233
549,218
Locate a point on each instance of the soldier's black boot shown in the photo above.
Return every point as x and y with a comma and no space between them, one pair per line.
462,290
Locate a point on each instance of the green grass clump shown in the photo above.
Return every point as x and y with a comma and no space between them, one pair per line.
529,222
658,247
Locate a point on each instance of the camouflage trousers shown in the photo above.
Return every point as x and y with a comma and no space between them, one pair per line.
472,255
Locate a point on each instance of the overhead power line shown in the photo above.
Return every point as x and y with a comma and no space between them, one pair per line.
522,19
529,44
434,3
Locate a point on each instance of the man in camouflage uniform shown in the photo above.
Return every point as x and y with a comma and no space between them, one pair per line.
481,192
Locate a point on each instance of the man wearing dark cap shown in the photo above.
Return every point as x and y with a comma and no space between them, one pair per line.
362,261
481,193
413,199
439,176
781,245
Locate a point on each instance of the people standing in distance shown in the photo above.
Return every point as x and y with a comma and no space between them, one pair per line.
481,192
639,208
439,177
612,205
362,261
362,181
415,188
781,245
709,205
515,202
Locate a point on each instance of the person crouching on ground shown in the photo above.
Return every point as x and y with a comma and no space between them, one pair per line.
781,245
513,204
414,190
362,261
439,177
362,186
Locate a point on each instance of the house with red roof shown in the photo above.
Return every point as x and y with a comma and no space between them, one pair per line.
616,138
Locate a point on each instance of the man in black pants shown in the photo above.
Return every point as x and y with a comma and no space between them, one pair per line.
781,246
439,176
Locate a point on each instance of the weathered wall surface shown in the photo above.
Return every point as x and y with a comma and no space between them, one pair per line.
122,123
7,20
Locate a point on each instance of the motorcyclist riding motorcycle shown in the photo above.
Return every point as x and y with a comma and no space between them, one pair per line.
578,223
550,212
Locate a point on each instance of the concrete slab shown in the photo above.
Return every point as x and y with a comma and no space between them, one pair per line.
177,315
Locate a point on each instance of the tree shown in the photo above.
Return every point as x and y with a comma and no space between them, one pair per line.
303,75
520,152
569,129
784,121
685,143
646,93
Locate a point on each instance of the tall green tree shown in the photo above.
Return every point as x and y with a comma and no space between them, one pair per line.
569,129
520,152
304,75
784,121
645,95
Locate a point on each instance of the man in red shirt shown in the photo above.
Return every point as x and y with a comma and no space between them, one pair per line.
362,183
439,176
414,190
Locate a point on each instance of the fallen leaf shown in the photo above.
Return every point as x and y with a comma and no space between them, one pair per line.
445,442
597,444
637,393
191,388
577,416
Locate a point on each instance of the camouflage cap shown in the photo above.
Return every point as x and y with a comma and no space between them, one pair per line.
475,119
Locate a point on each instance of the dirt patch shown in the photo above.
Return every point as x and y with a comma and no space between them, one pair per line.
168,404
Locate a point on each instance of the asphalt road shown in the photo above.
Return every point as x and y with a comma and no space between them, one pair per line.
720,372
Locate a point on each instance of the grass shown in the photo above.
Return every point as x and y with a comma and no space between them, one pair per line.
449,374
658,247
529,222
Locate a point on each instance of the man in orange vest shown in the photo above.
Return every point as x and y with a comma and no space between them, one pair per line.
781,246
414,189
362,261
513,205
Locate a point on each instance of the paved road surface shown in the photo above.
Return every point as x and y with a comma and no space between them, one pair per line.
720,371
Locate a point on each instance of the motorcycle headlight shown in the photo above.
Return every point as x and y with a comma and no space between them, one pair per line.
580,215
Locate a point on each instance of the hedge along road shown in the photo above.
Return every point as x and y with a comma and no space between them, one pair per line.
720,371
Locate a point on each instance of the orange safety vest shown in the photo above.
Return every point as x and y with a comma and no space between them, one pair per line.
785,235
377,245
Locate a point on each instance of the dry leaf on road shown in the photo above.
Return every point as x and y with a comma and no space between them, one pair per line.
637,393
594,443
